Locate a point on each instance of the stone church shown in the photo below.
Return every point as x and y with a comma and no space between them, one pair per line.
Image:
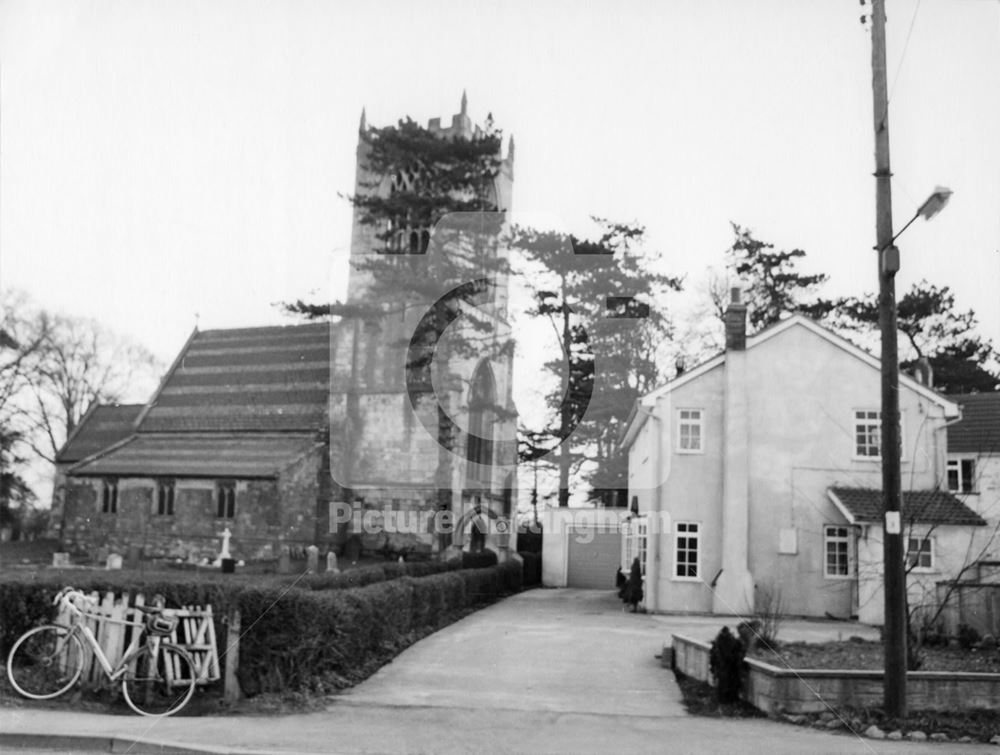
315,434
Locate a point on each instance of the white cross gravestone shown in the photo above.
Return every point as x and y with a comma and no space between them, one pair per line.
225,535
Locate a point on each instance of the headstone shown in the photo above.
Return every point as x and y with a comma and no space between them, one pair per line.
224,553
60,560
114,561
331,563
312,559
134,556
284,560
402,560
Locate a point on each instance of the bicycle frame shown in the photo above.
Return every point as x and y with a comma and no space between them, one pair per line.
113,673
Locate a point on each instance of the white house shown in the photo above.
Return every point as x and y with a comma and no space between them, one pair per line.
758,474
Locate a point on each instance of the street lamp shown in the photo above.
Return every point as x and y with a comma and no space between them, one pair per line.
888,261
893,552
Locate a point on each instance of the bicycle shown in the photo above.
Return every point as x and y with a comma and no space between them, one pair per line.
157,678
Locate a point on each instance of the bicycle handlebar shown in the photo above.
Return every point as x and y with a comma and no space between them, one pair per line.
68,597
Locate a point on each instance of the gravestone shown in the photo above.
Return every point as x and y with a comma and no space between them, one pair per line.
114,561
284,560
331,563
312,559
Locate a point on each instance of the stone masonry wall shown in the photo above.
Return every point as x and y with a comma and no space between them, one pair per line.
268,514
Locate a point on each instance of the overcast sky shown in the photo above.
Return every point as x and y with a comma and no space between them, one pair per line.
162,159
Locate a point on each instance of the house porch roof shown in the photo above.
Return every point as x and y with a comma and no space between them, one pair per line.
864,506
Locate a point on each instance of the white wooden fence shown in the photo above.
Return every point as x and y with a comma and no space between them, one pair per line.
118,627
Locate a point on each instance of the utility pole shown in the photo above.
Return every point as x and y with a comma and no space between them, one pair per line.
894,701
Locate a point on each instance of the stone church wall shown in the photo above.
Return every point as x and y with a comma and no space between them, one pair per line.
269,514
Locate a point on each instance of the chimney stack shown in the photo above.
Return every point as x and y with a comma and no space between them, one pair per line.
736,323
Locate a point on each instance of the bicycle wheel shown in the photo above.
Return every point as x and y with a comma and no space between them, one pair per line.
160,684
45,662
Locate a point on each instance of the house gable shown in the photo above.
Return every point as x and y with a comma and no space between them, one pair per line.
769,336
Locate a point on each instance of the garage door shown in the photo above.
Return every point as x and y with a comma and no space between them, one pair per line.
593,564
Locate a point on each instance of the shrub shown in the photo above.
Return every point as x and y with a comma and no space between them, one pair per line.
479,560
768,614
726,664
968,637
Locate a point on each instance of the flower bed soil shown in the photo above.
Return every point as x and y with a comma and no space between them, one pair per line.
868,656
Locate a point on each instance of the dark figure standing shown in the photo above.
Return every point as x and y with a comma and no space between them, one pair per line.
631,592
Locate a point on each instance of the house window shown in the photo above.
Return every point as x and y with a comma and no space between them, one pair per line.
109,496
837,545
689,431
225,500
686,550
962,475
165,498
867,433
920,553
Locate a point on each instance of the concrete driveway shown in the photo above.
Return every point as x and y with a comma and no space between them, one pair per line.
547,671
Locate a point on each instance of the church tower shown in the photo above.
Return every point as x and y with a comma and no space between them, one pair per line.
423,434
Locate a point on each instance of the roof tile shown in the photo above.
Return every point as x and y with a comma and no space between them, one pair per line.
979,430
919,506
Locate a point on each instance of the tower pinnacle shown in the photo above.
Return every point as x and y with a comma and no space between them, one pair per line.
465,104
363,126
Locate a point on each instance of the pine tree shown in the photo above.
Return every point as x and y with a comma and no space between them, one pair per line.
606,302
962,360
772,286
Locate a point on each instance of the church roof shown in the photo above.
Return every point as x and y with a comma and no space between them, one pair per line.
979,430
271,379
258,455
102,426
864,505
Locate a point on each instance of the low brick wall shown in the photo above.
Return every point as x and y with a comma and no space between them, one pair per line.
773,689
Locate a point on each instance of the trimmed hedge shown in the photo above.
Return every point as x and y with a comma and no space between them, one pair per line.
26,597
314,639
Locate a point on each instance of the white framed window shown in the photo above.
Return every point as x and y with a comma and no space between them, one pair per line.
837,551
690,435
920,553
962,475
867,433
687,550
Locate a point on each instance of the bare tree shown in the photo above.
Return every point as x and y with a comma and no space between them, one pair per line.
80,363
